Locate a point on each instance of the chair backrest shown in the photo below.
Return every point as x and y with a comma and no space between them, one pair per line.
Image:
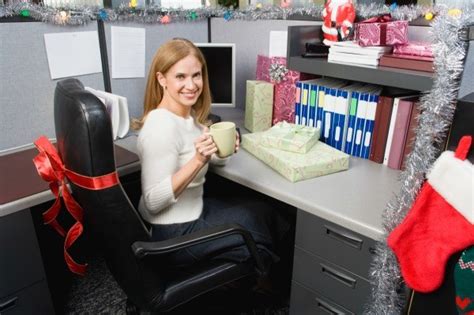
85,144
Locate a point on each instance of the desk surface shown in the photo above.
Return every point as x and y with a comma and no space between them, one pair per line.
354,198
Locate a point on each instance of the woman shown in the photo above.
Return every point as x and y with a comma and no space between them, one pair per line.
175,149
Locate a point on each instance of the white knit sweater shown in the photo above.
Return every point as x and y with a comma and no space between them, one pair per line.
165,144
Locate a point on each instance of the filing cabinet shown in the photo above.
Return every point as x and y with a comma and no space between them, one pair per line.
23,284
330,269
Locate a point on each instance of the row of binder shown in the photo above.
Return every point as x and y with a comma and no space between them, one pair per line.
356,119
345,113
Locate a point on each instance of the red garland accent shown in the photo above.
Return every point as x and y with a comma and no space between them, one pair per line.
51,168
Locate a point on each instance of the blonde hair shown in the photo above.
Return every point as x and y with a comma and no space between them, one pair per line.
166,56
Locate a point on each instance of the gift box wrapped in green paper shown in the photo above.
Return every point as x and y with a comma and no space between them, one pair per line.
290,137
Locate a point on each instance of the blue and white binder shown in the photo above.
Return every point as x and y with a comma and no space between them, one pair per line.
359,123
304,99
351,121
331,91
313,102
298,103
369,124
320,108
304,103
328,112
335,117
341,115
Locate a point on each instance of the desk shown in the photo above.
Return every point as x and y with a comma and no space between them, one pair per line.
338,221
339,218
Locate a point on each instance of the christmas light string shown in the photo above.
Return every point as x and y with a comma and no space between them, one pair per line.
81,15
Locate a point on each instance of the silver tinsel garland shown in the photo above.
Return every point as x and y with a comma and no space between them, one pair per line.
437,111
80,15
437,105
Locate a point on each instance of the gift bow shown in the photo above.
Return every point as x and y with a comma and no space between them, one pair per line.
288,131
378,19
51,169
277,72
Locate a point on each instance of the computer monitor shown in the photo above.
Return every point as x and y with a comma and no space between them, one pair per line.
220,59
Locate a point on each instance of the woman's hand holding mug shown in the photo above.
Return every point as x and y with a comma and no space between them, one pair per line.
205,147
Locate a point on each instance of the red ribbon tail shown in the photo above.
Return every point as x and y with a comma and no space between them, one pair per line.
51,168
71,205
72,235
55,225
50,215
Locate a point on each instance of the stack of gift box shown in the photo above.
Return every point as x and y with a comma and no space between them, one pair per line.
292,150
383,31
295,152
271,97
412,56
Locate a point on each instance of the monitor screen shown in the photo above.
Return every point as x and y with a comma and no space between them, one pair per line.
220,59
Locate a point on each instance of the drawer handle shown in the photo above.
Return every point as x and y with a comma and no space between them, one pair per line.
11,303
338,275
344,237
328,308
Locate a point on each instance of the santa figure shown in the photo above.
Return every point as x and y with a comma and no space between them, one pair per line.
339,16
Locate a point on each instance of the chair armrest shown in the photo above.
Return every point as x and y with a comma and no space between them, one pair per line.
143,249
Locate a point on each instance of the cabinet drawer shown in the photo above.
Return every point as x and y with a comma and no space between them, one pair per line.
334,243
336,283
34,299
20,263
307,302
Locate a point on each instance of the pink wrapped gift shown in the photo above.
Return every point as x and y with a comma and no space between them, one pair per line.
273,70
414,49
381,31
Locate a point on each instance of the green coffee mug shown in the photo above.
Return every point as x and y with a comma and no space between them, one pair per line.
223,134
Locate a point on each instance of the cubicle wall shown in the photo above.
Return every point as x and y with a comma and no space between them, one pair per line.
156,35
26,88
251,38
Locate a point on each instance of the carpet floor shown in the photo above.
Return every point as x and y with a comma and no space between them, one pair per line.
98,293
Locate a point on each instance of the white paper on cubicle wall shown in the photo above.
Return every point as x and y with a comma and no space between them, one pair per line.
277,44
117,107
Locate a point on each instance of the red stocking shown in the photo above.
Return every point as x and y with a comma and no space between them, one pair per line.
440,222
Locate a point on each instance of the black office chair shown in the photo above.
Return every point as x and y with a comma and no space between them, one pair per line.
84,138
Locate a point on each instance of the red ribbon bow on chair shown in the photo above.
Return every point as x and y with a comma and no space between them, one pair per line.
51,168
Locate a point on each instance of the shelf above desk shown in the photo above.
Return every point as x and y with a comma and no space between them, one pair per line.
401,78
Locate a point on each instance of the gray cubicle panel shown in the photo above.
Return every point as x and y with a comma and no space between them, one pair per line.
467,86
156,34
251,38
26,87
